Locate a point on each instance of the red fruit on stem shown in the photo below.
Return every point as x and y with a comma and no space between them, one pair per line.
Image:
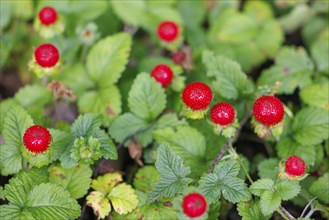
37,139
222,113
162,74
197,95
268,110
194,205
295,166
46,55
168,31
48,15
178,57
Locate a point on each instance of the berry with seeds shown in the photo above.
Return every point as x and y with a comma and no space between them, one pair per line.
222,113
168,31
46,55
197,95
37,139
48,15
268,110
194,205
295,166
162,74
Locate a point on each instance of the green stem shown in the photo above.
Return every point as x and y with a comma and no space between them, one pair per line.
242,165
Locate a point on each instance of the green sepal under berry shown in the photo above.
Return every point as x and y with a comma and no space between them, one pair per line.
227,131
194,114
42,72
267,131
49,31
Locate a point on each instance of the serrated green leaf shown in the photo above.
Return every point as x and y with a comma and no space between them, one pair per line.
35,94
106,101
320,188
146,98
169,120
123,198
126,125
15,124
262,185
223,181
311,126
107,148
267,167
107,59
316,95
228,75
145,178
188,143
60,142
131,11
107,182
86,125
99,203
258,10
8,212
172,174
292,69
51,201
319,52
269,202
251,210
76,180
287,189
5,105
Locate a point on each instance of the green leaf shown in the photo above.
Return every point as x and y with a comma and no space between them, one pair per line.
145,178
172,174
107,182
269,202
223,180
292,69
51,201
86,125
319,52
76,180
15,124
99,203
33,95
287,189
14,212
262,185
60,142
169,120
6,12
126,125
107,59
311,126
146,98
316,95
5,105
123,198
251,210
267,167
320,188
107,148
230,80
188,143
131,12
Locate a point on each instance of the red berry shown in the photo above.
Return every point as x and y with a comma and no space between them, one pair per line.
46,55
162,74
295,166
47,15
268,110
194,205
178,57
222,113
197,95
37,139
168,31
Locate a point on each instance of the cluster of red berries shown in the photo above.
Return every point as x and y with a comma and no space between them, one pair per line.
37,139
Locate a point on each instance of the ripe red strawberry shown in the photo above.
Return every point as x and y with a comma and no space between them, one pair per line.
178,57
197,95
162,74
222,113
47,15
168,31
37,139
268,110
194,205
295,166
46,55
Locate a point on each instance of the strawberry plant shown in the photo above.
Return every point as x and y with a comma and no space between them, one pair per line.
164,109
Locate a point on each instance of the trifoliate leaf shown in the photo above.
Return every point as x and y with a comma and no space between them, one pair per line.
172,174
267,167
316,95
86,125
99,203
251,210
223,180
107,59
76,180
320,188
51,201
123,198
15,124
107,182
33,95
145,178
311,126
269,202
146,98
262,185
228,75
188,143
287,189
